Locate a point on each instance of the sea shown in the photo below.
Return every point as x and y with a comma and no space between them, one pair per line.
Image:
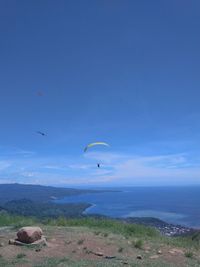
176,205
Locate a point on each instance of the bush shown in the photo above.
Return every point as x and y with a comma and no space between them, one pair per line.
189,254
16,221
120,249
21,255
138,244
80,242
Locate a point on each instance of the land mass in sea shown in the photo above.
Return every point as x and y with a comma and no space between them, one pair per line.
38,201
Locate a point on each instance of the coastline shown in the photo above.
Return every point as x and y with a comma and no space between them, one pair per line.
166,229
90,207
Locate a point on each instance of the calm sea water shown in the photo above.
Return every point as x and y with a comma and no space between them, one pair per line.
178,205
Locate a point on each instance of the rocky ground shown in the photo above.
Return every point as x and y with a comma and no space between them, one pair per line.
81,246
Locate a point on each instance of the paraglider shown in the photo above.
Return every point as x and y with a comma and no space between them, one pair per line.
96,144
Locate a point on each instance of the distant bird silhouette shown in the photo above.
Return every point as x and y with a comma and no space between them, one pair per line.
40,93
41,133
98,165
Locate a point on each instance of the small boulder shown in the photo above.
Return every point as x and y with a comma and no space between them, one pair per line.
11,242
29,235
176,251
110,257
139,257
98,254
154,257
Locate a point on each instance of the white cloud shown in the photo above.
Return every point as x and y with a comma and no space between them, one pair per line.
80,166
54,167
15,151
4,164
116,168
157,169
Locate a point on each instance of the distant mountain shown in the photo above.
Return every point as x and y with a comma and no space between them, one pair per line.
36,193
26,207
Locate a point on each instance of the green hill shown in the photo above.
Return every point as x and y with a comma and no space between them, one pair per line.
36,193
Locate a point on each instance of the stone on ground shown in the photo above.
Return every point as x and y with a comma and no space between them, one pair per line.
29,235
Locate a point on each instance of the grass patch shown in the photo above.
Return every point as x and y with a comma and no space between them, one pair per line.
97,232
181,241
80,242
108,225
189,254
139,244
52,262
21,256
16,221
120,250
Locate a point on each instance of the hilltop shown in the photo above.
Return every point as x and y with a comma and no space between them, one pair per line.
36,193
96,242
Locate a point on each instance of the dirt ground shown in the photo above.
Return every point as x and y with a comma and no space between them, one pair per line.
68,246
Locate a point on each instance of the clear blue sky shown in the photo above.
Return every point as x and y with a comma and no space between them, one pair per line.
124,72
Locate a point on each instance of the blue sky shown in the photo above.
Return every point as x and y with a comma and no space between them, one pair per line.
123,72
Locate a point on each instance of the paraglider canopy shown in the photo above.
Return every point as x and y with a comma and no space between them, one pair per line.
95,144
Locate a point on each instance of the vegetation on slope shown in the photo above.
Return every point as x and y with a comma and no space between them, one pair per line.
26,207
36,193
77,240
103,224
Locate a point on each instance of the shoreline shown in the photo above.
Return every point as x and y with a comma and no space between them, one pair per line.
90,207
165,228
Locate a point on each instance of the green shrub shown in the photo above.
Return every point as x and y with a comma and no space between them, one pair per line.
189,254
80,242
120,249
16,221
113,226
138,244
20,255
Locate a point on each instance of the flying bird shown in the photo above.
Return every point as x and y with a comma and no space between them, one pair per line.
40,93
41,133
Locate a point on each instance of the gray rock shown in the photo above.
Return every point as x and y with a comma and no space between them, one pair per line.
110,257
98,254
154,257
42,241
11,242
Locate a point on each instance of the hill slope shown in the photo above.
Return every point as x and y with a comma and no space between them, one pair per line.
98,242
37,193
